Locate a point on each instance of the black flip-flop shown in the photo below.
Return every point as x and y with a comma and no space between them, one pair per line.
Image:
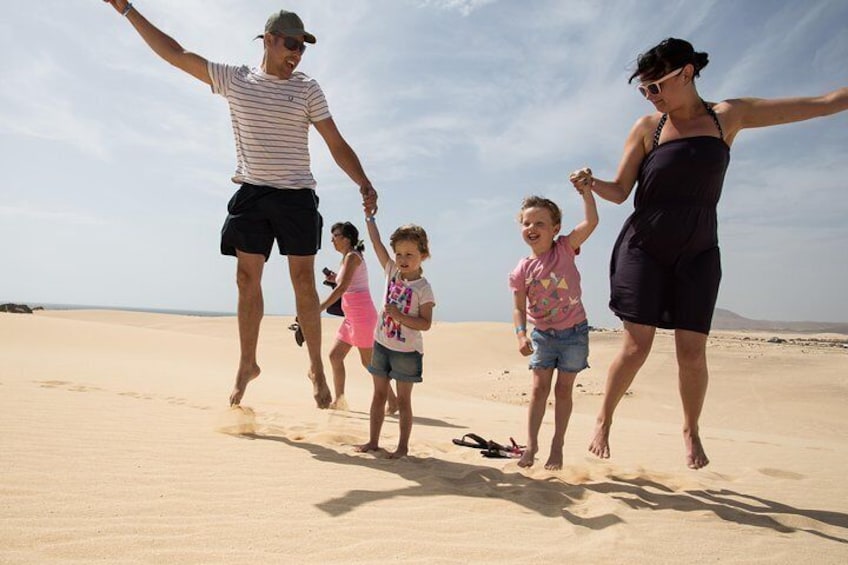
476,441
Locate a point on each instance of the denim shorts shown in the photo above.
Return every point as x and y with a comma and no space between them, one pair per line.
403,366
566,350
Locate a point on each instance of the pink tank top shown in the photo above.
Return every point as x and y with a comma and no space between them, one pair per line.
359,281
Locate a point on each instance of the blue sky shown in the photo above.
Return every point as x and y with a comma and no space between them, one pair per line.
117,166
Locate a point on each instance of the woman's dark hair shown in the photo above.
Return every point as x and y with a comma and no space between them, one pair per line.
350,233
670,54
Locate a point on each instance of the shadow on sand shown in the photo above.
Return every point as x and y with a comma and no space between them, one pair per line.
553,498
416,420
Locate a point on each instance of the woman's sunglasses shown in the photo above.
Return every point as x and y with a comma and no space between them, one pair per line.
292,44
654,87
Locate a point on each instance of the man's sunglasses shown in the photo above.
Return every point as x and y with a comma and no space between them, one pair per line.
654,87
292,44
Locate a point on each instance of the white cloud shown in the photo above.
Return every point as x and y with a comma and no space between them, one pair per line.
464,7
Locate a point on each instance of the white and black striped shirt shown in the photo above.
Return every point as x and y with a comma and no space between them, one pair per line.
271,118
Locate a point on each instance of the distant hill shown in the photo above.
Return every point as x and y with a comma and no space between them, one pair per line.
727,320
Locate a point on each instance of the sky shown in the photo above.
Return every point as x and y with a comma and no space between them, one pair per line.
117,166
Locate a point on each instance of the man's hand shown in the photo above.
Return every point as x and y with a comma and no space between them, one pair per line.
369,199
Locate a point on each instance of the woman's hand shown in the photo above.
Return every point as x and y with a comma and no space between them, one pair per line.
582,179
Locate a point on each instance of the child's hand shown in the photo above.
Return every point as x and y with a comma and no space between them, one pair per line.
525,346
582,179
393,311
369,199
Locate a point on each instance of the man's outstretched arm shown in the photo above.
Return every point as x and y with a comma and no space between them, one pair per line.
162,44
347,161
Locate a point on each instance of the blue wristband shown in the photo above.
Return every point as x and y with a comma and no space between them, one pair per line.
371,219
520,329
127,9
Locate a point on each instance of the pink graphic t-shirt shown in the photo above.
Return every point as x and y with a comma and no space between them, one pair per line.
552,284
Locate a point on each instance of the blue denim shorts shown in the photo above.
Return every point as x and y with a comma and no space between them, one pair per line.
399,365
566,350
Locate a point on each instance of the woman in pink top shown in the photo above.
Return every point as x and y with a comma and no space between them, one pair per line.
360,316
546,287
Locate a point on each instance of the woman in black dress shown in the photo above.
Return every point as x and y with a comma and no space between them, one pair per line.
665,268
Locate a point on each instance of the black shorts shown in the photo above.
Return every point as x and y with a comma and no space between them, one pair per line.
260,214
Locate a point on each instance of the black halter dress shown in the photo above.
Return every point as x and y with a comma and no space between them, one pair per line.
666,267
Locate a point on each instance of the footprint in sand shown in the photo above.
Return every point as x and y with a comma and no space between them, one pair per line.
237,420
779,474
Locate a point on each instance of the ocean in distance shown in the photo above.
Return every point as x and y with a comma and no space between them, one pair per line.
199,313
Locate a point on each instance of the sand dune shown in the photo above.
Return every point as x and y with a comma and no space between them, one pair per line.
118,447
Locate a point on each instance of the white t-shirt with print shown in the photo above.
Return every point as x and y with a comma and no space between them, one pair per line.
408,296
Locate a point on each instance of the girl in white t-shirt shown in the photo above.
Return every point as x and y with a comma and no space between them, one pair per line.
398,346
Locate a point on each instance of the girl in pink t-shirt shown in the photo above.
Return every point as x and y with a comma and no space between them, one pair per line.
546,288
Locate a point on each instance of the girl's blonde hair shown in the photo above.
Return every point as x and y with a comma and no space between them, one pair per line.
540,202
413,233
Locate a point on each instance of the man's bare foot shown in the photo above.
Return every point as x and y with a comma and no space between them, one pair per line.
399,453
320,390
339,403
554,462
695,456
366,447
243,376
527,458
600,443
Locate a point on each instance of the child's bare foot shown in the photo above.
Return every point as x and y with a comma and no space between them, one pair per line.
600,443
695,455
366,447
243,376
339,403
399,453
320,390
391,407
527,458
554,462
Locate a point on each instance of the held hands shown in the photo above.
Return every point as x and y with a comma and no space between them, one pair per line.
582,179
369,199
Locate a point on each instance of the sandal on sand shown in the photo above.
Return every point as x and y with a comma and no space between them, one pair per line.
498,451
490,448
298,333
476,441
